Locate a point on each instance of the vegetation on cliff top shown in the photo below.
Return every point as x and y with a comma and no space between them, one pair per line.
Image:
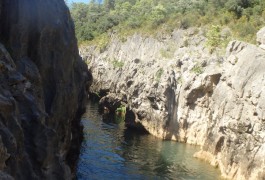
242,18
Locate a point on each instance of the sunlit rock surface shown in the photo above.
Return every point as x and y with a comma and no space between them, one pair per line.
178,90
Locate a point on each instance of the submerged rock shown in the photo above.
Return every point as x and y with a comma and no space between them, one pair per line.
178,90
43,84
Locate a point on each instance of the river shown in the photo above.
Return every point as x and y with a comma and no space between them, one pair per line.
111,151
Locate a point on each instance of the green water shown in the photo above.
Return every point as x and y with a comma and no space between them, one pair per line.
111,151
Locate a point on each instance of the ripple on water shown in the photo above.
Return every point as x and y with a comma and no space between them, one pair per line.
111,151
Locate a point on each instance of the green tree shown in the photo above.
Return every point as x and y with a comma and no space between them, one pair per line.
109,4
122,10
213,37
237,6
158,15
100,16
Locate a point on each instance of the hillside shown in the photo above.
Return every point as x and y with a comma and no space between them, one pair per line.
94,21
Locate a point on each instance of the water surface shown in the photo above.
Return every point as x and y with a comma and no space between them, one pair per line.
111,151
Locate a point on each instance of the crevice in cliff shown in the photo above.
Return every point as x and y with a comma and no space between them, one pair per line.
219,145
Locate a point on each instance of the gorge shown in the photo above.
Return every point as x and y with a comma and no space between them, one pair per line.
178,90
172,85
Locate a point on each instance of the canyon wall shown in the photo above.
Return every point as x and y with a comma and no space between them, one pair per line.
178,90
43,86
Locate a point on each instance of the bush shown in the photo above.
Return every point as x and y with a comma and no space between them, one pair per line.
134,22
189,20
197,69
158,15
117,64
214,37
159,74
102,42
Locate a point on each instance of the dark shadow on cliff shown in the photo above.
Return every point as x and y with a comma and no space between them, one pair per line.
44,84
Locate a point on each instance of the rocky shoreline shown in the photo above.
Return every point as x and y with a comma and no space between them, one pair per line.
176,89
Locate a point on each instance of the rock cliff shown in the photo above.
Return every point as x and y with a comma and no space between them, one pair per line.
176,89
43,84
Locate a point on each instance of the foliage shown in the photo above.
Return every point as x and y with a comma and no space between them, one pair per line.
103,41
213,37
158,15
117,64
120,114
108,16
159,74
197,69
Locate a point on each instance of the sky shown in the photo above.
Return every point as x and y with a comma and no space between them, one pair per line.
69,2
84,1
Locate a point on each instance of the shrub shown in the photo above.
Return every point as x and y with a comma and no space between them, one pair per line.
158,15
117,64
103,42
197,69
120,114
159,74
214,37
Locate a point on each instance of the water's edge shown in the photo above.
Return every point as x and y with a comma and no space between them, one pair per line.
111,151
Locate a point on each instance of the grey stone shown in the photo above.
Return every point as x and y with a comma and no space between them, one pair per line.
261,36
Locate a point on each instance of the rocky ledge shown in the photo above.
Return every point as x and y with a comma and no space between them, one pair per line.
176,89
43,84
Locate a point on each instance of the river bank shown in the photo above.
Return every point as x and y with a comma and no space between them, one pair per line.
115,152
178,90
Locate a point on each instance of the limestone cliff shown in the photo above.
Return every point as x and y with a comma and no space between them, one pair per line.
178,90
43,84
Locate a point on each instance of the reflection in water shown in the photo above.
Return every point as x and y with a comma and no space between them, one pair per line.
111,151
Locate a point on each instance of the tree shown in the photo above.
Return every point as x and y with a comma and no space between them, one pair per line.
122,10
158,15
109,5
237,6
99,16
213,37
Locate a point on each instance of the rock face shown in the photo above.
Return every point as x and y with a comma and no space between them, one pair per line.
261,38
177,90
236,129
155,78
43,84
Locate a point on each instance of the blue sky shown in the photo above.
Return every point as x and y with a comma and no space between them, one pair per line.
84,1
69,2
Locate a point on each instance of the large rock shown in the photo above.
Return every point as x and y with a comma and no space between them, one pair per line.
42,90
179,91
235,135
